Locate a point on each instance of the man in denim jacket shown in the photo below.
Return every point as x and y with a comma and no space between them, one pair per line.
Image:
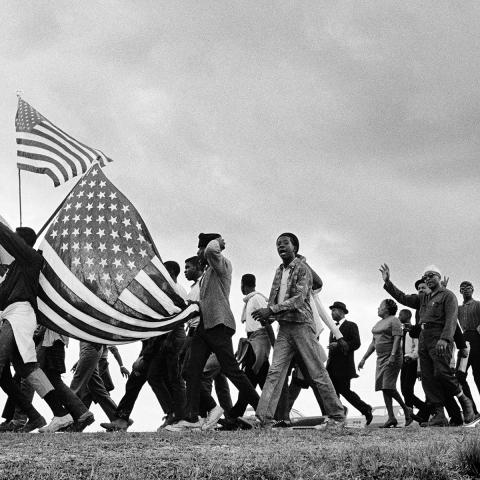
289,304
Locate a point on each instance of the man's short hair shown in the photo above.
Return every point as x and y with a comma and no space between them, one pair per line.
194,261
406,312
249,280
28,234
172,267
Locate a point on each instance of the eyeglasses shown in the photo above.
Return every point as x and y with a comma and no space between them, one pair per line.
429,275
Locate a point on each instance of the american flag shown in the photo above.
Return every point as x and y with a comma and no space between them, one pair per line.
44,148
102,280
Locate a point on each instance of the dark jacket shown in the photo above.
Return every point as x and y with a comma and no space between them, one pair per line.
21,281
339,364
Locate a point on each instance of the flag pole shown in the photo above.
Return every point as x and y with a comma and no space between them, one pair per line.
19,96
20,195
52,216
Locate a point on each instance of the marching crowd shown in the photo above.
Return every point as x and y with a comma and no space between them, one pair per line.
183,366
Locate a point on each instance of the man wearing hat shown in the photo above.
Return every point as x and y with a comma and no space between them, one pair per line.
438,311
213,334
469,318
341,364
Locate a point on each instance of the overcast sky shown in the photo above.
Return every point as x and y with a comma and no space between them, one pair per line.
353,124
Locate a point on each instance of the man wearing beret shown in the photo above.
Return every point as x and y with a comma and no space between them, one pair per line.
289,304
213,334
341,364
438,311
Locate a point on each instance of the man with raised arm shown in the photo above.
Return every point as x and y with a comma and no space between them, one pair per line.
438,312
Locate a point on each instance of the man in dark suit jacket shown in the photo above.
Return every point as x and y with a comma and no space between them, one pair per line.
340,365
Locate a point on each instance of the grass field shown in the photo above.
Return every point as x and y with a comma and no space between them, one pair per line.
279,454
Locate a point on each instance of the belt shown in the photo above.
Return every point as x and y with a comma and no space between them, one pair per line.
428,325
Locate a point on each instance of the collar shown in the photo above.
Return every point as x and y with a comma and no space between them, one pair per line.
469,302
246,298
440,290
340,323
292,264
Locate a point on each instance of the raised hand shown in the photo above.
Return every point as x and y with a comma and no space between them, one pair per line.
385,271
444,282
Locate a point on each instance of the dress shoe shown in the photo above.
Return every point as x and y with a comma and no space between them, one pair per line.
390,423
408,416
438,419
467,408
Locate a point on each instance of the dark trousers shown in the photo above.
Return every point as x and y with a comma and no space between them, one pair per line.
219,341
134,384
212,374
408,377
11,411
164,374
258,378
87,383
437,379
19,399
52,362
474,358
342,387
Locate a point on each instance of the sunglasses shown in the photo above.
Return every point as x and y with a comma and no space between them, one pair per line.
429,275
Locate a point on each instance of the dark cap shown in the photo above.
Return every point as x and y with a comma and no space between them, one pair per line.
418,283
466,283
28,234
205,238
293,238
339,305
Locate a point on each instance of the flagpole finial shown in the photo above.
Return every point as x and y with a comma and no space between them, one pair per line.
19,93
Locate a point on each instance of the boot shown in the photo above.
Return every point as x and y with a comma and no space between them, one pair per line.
438,419
467,408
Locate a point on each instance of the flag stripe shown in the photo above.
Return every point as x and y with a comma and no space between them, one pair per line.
80,290
163,280
148,299
45,138
137,305
44,170
151,286
83,317
32,147
45,160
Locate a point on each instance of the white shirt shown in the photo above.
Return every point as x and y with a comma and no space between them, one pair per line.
194,296
282,291
253,301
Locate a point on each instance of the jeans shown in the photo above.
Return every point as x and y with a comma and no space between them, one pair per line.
219,341
438,380
297,338
87,382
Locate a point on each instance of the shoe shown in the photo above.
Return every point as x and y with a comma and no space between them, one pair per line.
330,425
167,420
282,424
83,421
185,425
474,423
408,416
438,419
453,423
368,416
244,424
390,423
6,426
467,408
32,425
212,418
57,423
12,426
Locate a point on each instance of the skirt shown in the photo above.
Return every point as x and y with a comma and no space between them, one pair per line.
386,374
